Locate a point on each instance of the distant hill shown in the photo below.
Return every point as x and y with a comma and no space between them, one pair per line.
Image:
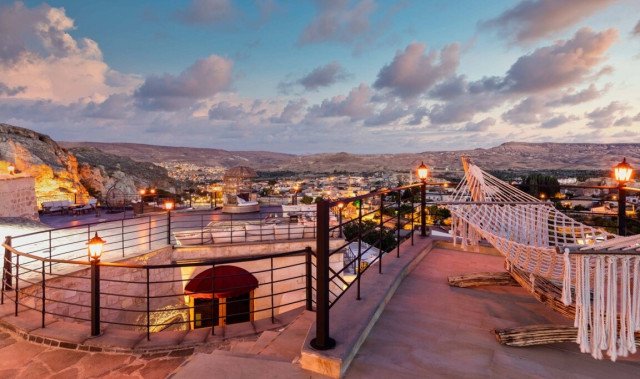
262,160
510,155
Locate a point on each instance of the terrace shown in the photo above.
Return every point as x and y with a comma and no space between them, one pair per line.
445,333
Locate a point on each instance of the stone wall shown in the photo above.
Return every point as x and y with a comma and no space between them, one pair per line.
124,290
18,197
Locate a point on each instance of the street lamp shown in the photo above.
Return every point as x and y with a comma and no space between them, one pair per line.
142,192
423,172
294,201
622,173
340,206
168,205
96,245
12,169
75,196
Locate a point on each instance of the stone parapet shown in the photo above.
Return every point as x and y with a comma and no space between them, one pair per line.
18,197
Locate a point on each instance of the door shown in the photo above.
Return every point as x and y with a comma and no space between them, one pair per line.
205,313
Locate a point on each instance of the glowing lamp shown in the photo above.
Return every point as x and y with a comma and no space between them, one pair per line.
96,244
153,190
11,168
142,191
623,171
340,205
423,172
168,205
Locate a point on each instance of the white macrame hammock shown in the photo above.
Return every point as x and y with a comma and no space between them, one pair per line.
603,268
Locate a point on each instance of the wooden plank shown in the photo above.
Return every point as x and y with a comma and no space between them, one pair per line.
540,335
477,279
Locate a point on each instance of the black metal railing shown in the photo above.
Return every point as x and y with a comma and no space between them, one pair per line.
368,236
150,298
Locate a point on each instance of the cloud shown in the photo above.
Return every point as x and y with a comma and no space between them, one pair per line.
323,76
356,105
392,112
588,94
116,107
226,111
450,89
604,117
206,77
481,126
530,20
558,120
412,72
292,111
338,21
6,90
563,63
206,12
39,59
636,29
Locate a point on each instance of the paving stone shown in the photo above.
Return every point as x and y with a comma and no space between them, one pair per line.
59,359
6,339
18,354
163,339
196,336
9,373
70,373
162,368
64,331
112,337
35,370
96,364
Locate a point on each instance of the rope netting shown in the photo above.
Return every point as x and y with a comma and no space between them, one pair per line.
529,232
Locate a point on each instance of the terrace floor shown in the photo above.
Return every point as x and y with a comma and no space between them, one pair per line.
428,329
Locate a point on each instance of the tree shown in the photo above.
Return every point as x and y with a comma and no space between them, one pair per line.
371,234
306,199
536,184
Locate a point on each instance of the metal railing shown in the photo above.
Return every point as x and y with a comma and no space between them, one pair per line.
149,298
383,233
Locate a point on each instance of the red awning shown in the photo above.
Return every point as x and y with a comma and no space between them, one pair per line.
230,281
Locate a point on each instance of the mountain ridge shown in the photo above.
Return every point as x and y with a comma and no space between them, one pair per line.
514,155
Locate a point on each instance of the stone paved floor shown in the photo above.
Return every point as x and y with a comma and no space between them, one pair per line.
22,359
432,330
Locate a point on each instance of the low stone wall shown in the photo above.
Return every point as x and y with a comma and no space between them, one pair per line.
18,197
124,290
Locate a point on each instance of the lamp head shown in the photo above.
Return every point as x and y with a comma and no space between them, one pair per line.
423,172
168,205
96,244
11,169
623,171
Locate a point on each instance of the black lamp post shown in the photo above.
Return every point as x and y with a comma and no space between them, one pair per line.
294,200
423,172
96,245
622,173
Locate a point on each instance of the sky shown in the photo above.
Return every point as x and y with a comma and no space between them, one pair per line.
304,77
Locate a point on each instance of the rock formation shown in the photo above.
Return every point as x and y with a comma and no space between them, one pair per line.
55,170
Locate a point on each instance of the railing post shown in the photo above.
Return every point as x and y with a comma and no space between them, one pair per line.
17,286
359,260
95,297
169,228
43,291
322,340
122,236
50,269
7,269
412,218
622,210
398,225
148,309
423,208
214,314
273,317
149,234
381,230
307,268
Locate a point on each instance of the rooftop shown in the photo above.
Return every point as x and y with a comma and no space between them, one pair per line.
427,329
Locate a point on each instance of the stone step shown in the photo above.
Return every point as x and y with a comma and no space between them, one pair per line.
225,364
241,346
288,343
263,341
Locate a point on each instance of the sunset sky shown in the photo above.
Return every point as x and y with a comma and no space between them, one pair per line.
363,76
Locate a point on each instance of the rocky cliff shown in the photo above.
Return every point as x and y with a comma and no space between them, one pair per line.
54,169
59,173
